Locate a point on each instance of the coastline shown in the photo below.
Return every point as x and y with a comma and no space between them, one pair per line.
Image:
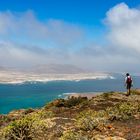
20,77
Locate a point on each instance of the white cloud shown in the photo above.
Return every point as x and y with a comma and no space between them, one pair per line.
124,25
24,40
25,26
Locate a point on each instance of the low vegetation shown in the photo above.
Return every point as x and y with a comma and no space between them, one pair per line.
29,127
90,120
107,116
135,91
70,102
123,111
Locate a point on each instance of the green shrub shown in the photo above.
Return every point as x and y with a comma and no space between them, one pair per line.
42,114
56,103
27,128
21,129
70,102
90,120
123,111
73,101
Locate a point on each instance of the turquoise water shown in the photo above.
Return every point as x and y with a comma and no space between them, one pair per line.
33,95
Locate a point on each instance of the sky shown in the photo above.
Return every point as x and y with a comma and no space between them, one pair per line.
97,35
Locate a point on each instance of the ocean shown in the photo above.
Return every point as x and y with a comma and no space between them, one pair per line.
37,94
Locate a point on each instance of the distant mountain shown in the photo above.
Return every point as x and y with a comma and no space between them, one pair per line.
3,68
9,69
46,69
56,69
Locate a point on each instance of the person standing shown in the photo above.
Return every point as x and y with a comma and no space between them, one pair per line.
128,83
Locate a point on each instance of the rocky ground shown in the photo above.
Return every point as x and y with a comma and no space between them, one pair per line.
108,116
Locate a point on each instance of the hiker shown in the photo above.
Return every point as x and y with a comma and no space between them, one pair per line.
128,83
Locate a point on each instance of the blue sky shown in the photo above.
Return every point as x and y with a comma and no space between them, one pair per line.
87,12
100,34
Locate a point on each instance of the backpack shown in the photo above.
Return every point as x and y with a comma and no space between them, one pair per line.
129,80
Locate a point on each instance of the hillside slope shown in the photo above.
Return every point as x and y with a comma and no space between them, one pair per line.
112,116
